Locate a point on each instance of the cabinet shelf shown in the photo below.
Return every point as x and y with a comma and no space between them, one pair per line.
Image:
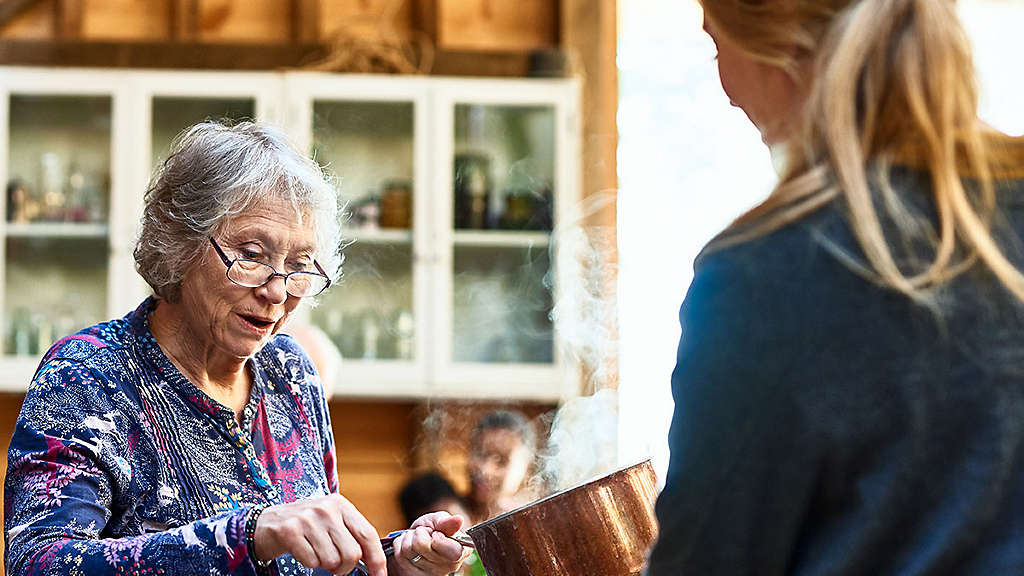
17,373
56,230
500,239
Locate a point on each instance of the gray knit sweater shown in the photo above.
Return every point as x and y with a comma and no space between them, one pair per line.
826,426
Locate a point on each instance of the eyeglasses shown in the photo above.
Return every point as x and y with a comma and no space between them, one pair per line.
253,274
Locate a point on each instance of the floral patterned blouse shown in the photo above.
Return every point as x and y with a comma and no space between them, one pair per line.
120,465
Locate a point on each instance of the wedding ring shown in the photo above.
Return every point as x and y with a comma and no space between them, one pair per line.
416,558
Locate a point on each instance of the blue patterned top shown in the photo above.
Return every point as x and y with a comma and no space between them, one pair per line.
120,465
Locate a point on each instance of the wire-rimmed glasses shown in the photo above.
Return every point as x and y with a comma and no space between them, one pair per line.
253,274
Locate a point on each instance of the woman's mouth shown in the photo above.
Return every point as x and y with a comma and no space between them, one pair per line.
257,323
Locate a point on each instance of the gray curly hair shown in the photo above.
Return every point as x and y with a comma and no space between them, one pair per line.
215,171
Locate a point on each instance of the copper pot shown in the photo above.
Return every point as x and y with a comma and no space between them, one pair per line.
603,527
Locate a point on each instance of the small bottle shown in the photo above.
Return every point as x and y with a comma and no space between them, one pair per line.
77,209
370,333
396,205
17,201
496,199
96,189
368,212
405,327
51,185
477,201
44,334
351,335
22,332
333,324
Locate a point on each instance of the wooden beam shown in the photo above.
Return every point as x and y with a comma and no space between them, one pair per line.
10,9
305,21
158,54
196,55
493,64
183,20
588,33
67,19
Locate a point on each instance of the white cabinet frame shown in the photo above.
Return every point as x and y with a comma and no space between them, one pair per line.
18,371
286,99
381,378
557,381
264,89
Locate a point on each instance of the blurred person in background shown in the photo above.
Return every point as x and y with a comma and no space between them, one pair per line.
501,454
322,352
849,390
189,437
431,492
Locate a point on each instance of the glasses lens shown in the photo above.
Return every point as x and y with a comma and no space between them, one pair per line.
249,273
302,284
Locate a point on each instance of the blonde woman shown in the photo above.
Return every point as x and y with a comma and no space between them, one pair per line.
849,384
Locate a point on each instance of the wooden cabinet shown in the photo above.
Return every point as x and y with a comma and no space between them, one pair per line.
453,189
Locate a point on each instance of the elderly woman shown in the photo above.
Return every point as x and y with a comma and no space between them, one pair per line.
189,437
849,392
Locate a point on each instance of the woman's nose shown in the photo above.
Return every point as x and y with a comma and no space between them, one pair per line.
274,290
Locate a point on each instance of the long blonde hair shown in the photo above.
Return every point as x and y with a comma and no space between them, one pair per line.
893,81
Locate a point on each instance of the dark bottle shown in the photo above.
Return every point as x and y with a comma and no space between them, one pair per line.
472,182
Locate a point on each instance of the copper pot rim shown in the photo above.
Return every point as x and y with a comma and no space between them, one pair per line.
561,493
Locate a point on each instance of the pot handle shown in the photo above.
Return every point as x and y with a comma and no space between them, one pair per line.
388,544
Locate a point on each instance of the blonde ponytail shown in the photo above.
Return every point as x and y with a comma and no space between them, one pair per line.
893,82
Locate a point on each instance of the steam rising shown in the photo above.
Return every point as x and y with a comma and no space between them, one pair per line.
582,444
584,293
584,433
500,317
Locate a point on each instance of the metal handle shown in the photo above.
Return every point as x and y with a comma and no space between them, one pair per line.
388,544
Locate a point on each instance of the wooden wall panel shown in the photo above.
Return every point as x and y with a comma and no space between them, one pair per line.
36,22
251,21
374,443
590,38
375,493
493,25
126,19
366,17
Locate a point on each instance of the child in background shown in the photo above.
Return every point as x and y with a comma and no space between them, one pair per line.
501,454
430,492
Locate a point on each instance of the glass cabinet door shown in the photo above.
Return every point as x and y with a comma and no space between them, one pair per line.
504,167
172,115
503,177
502,304
368,147
56,240
369,314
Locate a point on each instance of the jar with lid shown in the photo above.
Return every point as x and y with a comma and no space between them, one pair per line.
396,204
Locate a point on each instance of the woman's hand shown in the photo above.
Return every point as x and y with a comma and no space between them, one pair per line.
325,532
425,549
